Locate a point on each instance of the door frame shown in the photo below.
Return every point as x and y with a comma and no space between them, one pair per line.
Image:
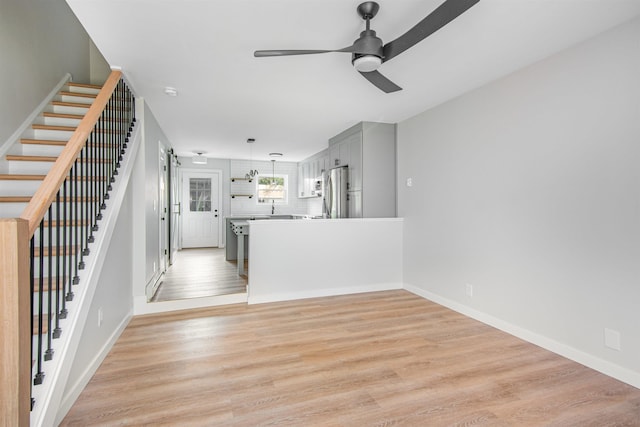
182,172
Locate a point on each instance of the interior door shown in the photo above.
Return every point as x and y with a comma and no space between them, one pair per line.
175,207
163,204
200,210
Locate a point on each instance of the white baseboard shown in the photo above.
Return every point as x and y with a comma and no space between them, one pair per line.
75,389
615,371
315,293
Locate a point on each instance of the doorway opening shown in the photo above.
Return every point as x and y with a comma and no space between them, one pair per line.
197,264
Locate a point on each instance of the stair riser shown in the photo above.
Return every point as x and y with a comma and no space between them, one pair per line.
78,99
14,210
35,168
18,188
79,89
60,121
53,273
41,150
56,135
69,110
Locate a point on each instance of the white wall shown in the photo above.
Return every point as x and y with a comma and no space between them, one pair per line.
527,189
293,259
244,205
238,168
153,137
113,297
40,41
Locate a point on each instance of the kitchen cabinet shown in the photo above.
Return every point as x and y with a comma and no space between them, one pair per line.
309,173
369,151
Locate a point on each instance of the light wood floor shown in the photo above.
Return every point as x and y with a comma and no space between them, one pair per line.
198,273
377,359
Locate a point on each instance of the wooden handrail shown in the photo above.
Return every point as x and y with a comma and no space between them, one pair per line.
46,193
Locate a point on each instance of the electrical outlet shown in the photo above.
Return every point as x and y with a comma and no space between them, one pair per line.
469,290
409,182
154,266
100,317
612,339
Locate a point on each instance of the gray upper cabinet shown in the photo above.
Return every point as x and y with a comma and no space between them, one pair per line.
369,150
310,173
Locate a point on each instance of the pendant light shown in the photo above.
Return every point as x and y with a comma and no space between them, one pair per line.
252,172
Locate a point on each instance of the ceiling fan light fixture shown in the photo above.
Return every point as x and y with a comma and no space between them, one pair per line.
367,63
199,159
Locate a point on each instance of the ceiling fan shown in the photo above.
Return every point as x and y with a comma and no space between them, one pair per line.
368,51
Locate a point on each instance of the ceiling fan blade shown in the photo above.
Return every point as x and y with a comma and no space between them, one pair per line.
265,53
381,82
445,13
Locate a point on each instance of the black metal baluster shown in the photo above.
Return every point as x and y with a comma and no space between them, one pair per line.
84,202
59,223
74,206
66,282
40,374
32,277
48,354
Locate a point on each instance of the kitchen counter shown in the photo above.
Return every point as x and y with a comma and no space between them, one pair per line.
293,259
231,245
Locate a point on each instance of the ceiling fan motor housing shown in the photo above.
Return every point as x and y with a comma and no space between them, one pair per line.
367,55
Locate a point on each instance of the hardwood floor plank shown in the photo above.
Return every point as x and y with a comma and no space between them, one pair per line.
376,359
201,272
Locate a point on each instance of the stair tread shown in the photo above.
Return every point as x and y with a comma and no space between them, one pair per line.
63,115
45,324
25,177
31,158
86,85
78,94
71,104
71,250
56,142
54,127
66,223
20,177
27,199
45,284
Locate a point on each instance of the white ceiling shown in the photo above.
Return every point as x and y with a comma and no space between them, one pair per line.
293,105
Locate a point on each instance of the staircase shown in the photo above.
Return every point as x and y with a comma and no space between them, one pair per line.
31,159
57,177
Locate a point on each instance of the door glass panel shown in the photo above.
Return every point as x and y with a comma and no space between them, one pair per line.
200,194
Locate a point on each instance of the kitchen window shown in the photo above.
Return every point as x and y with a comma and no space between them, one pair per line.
272,189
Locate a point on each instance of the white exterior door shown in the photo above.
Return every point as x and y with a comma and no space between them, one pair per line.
200,213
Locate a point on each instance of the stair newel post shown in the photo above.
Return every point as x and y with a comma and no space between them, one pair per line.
48,354
15,339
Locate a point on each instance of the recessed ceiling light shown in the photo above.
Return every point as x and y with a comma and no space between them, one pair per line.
171,91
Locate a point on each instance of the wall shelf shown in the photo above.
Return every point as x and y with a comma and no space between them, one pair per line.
233,196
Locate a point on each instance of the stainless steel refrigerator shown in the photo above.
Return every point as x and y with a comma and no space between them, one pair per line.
334,193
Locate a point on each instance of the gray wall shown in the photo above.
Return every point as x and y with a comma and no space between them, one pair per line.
40,41
153,136
528,190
